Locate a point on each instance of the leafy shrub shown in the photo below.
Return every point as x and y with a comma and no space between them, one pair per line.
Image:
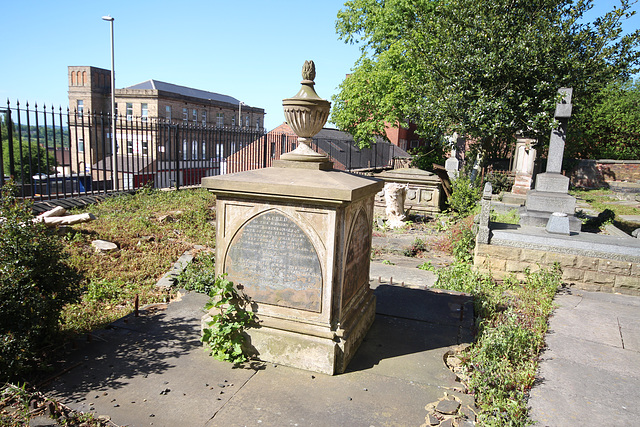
500,181
464,196
224,332
35,283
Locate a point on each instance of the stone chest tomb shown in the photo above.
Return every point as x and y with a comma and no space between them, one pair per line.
297,238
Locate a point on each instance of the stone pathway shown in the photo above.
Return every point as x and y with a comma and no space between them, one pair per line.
589,372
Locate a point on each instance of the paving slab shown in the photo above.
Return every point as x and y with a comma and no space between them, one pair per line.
153,370
588,374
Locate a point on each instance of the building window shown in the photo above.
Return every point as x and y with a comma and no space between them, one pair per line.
258,123
194,115
129,111
204,117
246,121
233,120
273,150
185,114
194,150
145,148
145,112
220,119
73,78
84,78
81,145
129,147
167,112
80,106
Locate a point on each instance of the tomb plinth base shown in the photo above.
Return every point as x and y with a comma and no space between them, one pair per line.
296,239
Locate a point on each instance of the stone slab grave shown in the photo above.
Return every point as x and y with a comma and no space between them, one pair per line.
296,237
551,188
424,189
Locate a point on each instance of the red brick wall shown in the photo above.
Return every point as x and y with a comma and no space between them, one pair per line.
597,173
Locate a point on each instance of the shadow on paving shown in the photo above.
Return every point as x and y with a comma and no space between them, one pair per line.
130,347
414,322
153,369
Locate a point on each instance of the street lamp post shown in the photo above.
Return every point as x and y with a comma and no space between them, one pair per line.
114,145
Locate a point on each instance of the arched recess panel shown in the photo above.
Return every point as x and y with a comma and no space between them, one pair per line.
357,261
276,263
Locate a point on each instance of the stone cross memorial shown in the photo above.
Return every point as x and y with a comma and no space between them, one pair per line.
297,238
551,188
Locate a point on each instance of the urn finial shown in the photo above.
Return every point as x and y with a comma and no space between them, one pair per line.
306,113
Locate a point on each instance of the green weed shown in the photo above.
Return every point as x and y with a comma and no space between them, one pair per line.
223,335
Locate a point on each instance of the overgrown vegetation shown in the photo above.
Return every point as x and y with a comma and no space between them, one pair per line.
36,281
464,196
510,217
511,321
152,230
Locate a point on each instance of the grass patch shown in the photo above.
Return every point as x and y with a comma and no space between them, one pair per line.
601,200
510,217
511,321
152,230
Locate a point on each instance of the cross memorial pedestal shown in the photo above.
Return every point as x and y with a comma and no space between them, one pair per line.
551,188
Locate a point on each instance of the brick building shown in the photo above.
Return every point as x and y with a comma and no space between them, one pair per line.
141,110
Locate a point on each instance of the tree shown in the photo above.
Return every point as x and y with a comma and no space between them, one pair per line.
29,157
612,125
483,68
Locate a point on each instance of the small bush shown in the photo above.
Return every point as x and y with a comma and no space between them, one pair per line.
223,335
464,196
500,181
35,283
417,248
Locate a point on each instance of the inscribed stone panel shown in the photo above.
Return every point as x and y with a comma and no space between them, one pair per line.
276,263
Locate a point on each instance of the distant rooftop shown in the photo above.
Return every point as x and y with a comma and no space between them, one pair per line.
185,91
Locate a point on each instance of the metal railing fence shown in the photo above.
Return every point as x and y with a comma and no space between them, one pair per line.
57,153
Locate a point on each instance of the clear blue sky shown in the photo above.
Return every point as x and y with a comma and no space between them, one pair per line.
252,50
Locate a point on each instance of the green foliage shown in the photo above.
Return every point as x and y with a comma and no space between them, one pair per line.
511,321
510,217
36,281
427,266
199,275
29,160
612,125
224,332
486,69
464,196
500,181
426,156
417,247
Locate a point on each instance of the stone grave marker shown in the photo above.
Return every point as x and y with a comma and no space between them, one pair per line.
297,238
551,188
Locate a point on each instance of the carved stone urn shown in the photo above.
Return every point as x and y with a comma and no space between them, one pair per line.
306,113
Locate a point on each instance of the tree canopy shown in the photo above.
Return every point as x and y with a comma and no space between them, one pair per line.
488,69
